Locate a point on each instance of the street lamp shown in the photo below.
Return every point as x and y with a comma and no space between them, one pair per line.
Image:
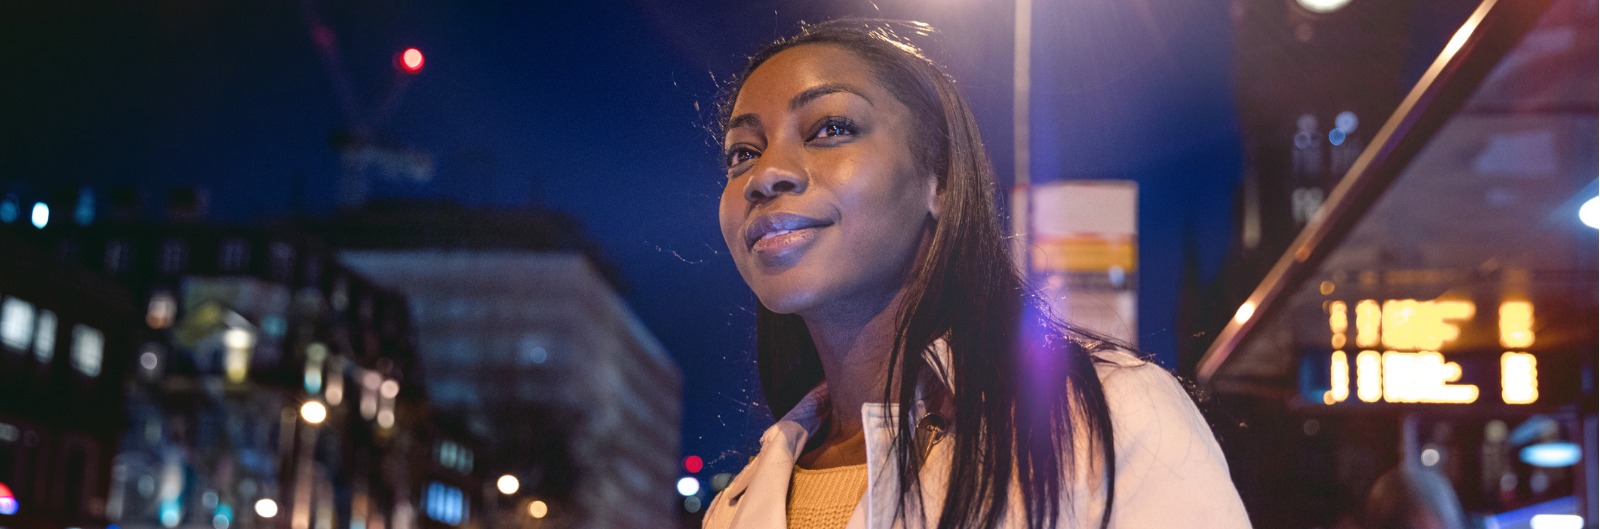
266,508
538,509
313,412
508,484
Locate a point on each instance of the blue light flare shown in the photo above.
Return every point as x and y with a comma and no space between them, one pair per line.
1554,454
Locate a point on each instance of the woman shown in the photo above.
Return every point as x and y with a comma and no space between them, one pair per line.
919,384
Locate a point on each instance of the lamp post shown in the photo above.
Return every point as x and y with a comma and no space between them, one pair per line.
1021,193
313,414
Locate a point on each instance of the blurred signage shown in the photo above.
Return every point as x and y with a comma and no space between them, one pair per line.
1084,248
8,501
1404,351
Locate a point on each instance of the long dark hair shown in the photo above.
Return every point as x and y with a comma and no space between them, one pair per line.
1024,383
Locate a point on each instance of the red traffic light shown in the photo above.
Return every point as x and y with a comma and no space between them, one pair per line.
693,464
411,60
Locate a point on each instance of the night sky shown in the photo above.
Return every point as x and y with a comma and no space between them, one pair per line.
601,110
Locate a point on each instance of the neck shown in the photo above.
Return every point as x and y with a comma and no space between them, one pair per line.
854,345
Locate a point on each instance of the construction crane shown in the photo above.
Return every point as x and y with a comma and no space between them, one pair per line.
361,153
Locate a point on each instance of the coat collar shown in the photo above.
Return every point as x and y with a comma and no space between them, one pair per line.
763,503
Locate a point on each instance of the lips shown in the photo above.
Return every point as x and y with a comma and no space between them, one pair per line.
776,227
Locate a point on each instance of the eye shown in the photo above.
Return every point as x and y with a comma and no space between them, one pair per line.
833,128
739,154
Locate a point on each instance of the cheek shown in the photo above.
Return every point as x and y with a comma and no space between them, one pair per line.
889,216
890,200
730,217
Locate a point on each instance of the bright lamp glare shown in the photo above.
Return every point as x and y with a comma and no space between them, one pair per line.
1244,313
314,412
41,215
237,338
688,486
508,484
412,60
1323,6
1430,457
538,509
266,508
1556,521
1589,213
1555,454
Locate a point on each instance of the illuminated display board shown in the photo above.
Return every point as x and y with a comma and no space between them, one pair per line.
1409,351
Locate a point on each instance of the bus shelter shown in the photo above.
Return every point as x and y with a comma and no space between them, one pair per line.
1440,309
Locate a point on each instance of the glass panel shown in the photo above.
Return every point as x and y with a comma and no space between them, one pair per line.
1472,278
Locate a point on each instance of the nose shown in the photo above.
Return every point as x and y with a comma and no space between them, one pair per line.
774,175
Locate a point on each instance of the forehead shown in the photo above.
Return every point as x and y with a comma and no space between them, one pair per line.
796,69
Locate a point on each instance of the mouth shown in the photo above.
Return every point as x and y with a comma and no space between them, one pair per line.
767,230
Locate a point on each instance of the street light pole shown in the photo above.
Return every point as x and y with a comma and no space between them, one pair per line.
1021,195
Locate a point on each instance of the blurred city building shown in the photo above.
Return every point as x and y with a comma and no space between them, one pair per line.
250,380
66,339
1415,276
530,344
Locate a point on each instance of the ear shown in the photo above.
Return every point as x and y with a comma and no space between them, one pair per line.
935,196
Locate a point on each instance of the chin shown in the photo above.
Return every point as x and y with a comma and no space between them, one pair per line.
785,293
787,300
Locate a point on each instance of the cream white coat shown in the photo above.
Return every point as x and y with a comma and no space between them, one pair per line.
1170,471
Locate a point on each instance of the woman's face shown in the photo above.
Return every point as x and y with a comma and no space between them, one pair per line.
825,208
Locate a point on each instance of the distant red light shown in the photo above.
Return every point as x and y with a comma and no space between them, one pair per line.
411,60
693,464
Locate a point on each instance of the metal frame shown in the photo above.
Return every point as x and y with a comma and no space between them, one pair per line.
1492,30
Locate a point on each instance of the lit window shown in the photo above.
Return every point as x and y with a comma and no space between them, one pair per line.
282,260
1369,376
240,345
44,341
1368,318
1516,324
1424,377
445,504
1338,322
1339,378
1414,325
1519,378
235,252
117,256
88,349
161,310
16,323
174,255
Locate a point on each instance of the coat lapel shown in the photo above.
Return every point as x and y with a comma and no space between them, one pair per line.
764,501
760,494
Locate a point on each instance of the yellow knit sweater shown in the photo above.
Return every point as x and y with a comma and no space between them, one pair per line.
825,498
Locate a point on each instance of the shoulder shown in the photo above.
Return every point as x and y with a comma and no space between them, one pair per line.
1136,384
1152,415
1169,469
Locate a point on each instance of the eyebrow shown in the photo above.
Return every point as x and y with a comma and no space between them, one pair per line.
811,94
744,120
800,100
